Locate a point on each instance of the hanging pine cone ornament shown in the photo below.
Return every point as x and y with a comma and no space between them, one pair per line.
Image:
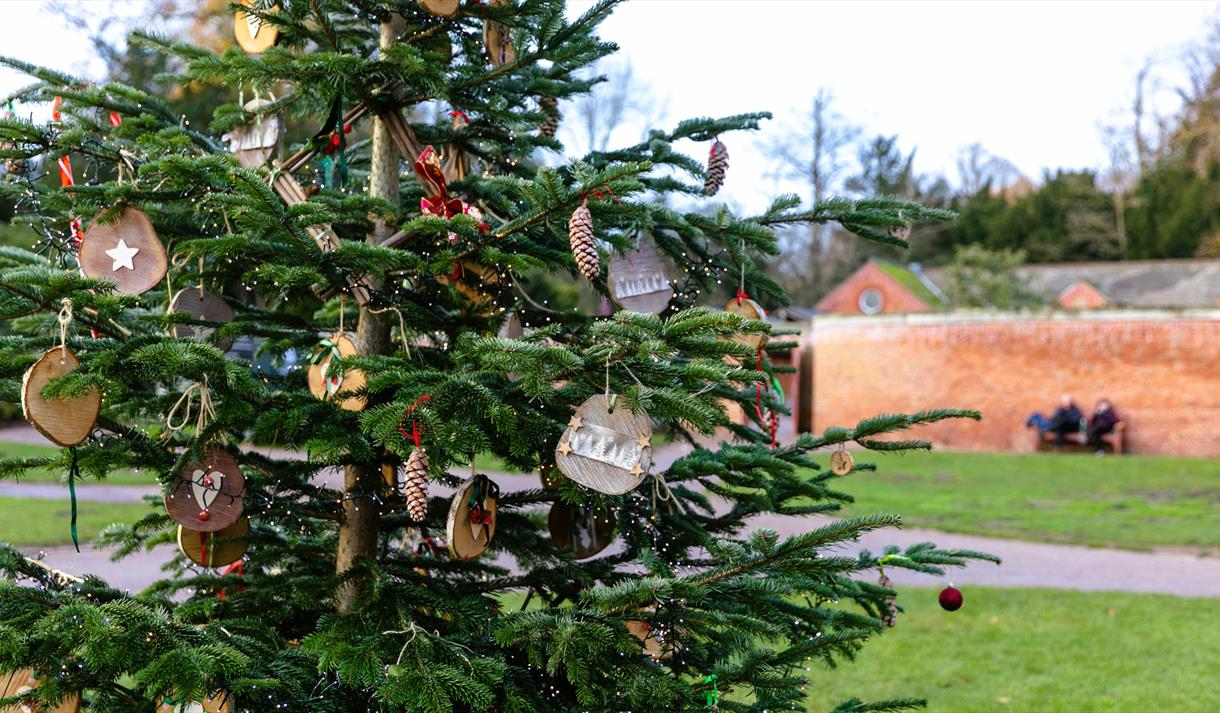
717,164
890,616
415,488
550,108
584,249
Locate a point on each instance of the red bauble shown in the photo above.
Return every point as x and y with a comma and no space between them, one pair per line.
950,599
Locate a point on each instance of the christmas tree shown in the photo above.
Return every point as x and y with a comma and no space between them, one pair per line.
318,321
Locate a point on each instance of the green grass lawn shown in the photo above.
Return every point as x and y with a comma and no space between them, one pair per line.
31,521
1135,502
1038,650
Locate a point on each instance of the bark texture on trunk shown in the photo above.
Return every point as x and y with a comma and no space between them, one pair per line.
361,515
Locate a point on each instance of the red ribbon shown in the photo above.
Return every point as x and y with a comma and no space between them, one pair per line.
597,193
203,548
415,432
773,419
238,568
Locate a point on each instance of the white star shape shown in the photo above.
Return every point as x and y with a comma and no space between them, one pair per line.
122,256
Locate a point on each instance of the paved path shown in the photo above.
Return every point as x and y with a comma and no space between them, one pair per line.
1026,564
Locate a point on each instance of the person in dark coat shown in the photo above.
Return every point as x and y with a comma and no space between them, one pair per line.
1066,419
1102,422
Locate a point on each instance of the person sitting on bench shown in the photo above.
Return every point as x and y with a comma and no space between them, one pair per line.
1065,420
1102,422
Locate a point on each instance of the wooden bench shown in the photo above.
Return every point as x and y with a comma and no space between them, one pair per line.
1077,441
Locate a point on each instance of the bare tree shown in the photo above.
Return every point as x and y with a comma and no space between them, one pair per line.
977,168
620,101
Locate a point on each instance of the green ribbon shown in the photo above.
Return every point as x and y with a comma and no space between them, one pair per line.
328,349
713,696
73,472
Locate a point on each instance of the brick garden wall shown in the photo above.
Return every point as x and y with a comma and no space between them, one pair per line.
1161,370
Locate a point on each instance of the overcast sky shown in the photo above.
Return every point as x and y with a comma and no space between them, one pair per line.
1029,80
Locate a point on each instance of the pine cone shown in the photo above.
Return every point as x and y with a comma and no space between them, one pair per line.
416,485
890,616
549,107
717,164
17,166
580,235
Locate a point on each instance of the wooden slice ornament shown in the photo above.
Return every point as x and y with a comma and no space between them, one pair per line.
27,679
584,531
657,644
219,702
205,307
326,384
639,281
64,421
605,448
208,496
252,34
254,143
472,517
497,38
841,462
441,8
749,309
215,549
128,252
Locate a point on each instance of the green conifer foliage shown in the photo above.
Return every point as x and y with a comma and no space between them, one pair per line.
341,603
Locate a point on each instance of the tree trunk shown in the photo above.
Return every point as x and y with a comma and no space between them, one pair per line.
361,515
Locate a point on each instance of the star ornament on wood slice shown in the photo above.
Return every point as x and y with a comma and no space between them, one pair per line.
126,252
608,451
123,256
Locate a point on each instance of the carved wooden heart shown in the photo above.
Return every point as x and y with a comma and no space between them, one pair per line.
608,451
252,34
207,496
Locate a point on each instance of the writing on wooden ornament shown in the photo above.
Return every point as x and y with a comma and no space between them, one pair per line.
608,450
27,679
749,309
215,549
207,496
326,382
472,517
65,421
252,34
205,307
639,281
127,252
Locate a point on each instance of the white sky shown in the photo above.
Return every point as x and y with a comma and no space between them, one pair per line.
1029,80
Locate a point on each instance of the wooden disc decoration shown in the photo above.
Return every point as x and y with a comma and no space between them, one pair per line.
638,280
749,309
128,252
325,385
205,307
252,34
27,679
841,463
215,549
441,8
254,143
497,38
604,448
584,531
68,421
472,517
655,642
207,496
220,702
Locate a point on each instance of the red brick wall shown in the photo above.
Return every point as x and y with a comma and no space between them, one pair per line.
845,299
1161,370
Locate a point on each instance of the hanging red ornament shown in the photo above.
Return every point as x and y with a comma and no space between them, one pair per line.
950,598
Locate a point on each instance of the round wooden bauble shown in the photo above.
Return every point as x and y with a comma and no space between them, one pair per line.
252,144
653,646
66,422
128,252
749,309
26,679
205,307
215,549
324,387
841,463
441,8
608,451
639,281
584,531
207,496
220,702
468,539
252,34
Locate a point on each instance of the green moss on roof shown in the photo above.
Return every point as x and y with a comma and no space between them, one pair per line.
908,279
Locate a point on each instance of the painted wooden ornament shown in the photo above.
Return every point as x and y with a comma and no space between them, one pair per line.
604,448
472,517
325,385
215,549
252,34
584,531
67,421
128,252
497,38
749,309
219,702
27,679
208,496
639,281
841,463
252,144
441,8
205,307
656,642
